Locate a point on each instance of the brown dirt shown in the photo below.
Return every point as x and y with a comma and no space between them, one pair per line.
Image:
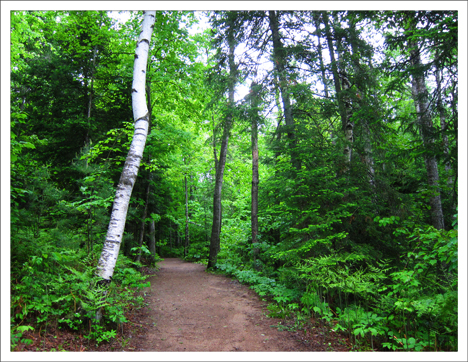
192,310
189,309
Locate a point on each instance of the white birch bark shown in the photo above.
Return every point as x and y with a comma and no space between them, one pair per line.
115,231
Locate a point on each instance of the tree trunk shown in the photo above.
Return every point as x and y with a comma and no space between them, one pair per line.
319,49
214,143
142,227
254,136
361,84
336,76
110,251
90,100
345,95
215,243
152,241
186,219
426,131
443,126
340,85
215,160
216,227
279,56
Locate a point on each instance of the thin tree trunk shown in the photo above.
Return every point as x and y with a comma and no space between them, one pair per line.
254,136
215,243
319,48
214,143
336,76
152,241
110,251
443,126
345,96
216,162
280,115
143,223
322,67
340,85
362,94
426,131
87,143
217,212
170,235
186,219
279,57
90,100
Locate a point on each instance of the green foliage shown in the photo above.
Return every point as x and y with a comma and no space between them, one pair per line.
347,242
58,284
16,335
198,252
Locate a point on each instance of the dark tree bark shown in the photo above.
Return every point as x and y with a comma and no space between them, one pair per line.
334,66
319,49
217,215
426,130
341,84
187,237
214,143
443,126
279,58
152,241
216,161
361,82
143,223
216,227
254,137
316,18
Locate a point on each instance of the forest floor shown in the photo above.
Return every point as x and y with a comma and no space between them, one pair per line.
189,309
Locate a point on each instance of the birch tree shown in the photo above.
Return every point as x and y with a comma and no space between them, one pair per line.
110,251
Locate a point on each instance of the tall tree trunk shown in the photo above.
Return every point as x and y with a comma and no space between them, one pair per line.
110,251
345,86
361,84
214,143
279,58
443,126
143,223
90,99
426,131
215,243
316,17
334,66
187,240
254,137
280,115
341,85
152,241
216,162
217,212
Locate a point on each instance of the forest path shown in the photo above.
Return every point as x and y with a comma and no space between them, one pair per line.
191,310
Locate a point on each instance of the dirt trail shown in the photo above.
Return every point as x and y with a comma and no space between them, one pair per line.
192,310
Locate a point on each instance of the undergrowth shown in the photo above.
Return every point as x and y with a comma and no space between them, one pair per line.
378,304
58,287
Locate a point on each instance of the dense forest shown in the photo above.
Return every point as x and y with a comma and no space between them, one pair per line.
309,154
